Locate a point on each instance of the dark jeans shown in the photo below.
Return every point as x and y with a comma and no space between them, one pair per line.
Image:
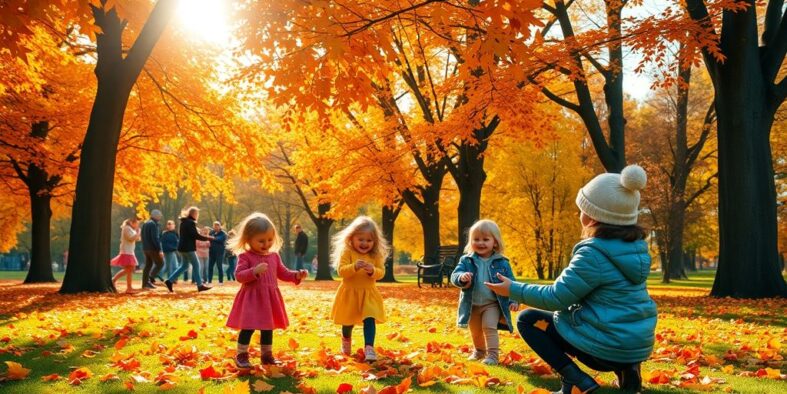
232,262
151,258
552,348
369,331
266,337
298,261
216,258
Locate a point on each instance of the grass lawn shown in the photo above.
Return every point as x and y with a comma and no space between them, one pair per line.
156,340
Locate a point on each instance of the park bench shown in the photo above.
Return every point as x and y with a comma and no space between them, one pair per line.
435,269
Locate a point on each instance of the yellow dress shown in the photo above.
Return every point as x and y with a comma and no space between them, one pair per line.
357,296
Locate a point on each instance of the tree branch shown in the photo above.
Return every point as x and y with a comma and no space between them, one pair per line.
140,51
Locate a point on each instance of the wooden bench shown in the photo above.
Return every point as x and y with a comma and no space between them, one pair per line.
437,269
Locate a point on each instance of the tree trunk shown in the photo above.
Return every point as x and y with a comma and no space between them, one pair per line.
88,267
748,252
40,254
323,242
469,175
428,211
389,223
675,254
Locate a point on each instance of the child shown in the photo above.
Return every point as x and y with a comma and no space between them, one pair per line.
258,304
358,254
479,307
169,245
603,314
232,259
129,235
203,252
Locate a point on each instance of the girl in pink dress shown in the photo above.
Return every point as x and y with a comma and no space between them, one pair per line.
129,235
258,304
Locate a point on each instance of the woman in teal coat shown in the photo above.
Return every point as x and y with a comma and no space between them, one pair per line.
598,310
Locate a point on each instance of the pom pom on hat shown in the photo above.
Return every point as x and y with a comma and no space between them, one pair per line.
633,178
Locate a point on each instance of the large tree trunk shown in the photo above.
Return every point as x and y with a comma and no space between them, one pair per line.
389,224
748,255
41,255
428,212
323,224
89,246
675,253
469,175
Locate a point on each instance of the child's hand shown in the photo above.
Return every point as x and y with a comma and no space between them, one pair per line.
260,268
302,274
369,269
467,277
360,265
503,288
513,307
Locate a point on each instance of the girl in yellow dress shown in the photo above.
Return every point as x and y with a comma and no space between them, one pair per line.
358,255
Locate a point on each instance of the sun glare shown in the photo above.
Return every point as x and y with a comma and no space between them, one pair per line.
206,19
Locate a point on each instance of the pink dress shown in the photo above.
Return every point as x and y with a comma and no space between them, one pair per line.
203,249
259,304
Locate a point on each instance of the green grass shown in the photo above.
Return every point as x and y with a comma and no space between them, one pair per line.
34,318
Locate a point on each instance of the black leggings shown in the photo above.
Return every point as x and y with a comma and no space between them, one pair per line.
552,348
369,331
266,337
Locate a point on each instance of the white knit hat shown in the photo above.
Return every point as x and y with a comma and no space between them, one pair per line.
613,198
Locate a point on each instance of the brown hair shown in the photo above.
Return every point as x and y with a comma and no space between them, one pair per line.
611,231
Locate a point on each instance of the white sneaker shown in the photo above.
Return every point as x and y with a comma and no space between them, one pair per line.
369,353
489,361
477,355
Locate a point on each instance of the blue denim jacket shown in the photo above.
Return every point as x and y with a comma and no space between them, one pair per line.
469,263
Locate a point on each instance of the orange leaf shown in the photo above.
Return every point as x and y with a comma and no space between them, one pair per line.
121,343
51,378
541,325
293,344
78,375
16,371
344,388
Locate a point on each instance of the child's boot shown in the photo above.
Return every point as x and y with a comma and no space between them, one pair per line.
630,378
369,353
478,354
267,355
571,376
347,346
242,360
491,357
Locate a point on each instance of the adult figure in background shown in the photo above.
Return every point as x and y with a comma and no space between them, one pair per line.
203,252
216,252
151,248
232,259
169,245
187,246
301,244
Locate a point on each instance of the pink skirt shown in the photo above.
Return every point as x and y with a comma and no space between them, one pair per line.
124,260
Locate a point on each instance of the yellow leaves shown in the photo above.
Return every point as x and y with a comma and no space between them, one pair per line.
16,371
236,388
261,386
541,325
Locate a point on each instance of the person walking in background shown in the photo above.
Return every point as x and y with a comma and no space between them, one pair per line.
203,252
187,246
129,235
151,248
169,245
232,259
301,244
216,252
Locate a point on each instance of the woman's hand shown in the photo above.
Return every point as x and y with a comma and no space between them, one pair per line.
513,306
260,268
503,288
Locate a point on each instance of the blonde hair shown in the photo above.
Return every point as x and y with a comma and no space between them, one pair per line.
254,224
188,212
362,224
129,221
485,227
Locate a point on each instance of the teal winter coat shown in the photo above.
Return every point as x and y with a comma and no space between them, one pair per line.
497,264
601,300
